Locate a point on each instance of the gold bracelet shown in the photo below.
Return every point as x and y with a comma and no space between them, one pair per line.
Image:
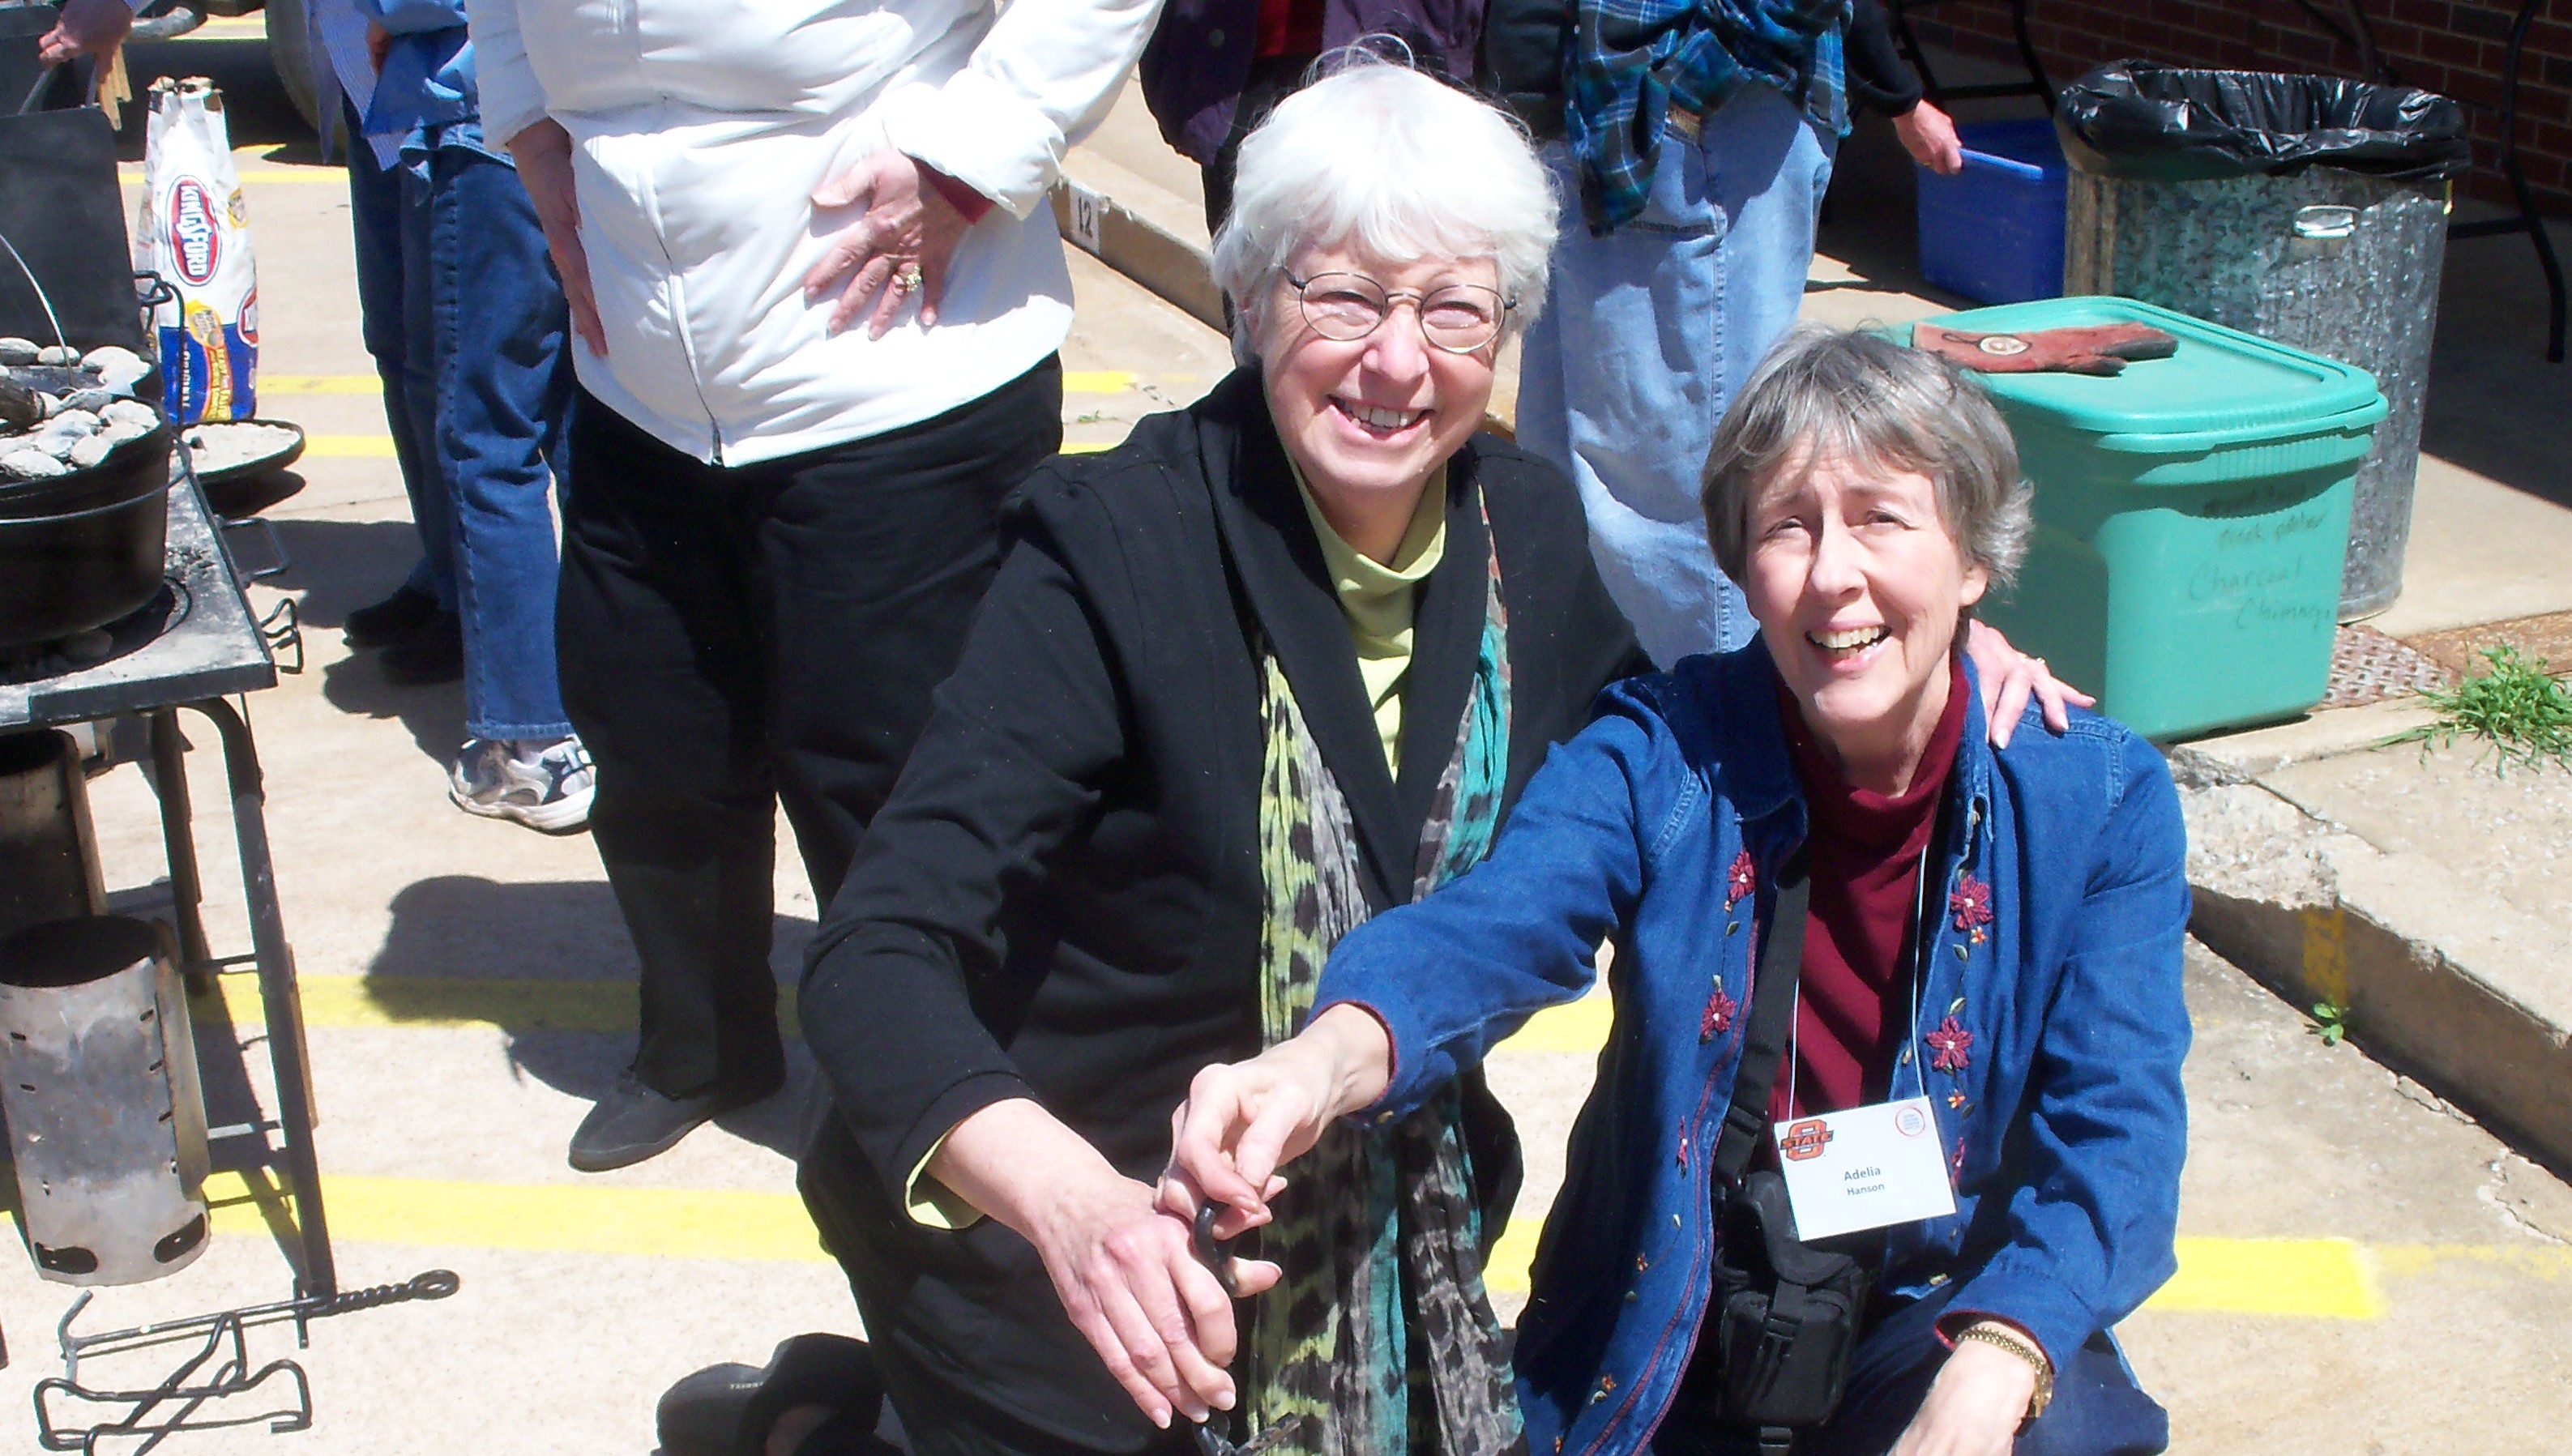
2002,1337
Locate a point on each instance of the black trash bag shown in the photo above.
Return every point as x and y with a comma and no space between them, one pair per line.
2161,124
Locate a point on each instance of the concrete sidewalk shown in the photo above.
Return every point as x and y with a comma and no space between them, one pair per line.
2420,892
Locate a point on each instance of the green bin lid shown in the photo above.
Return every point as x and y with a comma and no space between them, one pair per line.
2220,380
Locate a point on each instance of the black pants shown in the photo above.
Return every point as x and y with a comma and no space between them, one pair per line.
732,636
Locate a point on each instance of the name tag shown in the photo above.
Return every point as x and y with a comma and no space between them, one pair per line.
1864,1168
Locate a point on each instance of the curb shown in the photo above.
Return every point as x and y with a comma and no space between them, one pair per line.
1141,230
2440,979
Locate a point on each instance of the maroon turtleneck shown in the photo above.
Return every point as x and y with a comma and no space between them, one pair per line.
1866,850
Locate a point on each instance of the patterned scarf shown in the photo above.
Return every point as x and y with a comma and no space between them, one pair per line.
1381,1330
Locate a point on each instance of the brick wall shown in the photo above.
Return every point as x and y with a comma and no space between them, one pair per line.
2448,46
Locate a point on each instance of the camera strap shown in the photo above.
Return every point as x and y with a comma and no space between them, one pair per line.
1770,1023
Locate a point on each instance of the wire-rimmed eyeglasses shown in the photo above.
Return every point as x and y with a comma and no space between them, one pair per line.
1458,318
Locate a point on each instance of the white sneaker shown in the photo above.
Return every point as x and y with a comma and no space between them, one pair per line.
543,783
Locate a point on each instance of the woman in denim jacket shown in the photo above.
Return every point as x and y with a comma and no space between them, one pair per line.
1865,496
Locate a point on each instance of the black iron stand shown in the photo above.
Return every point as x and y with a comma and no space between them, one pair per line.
2529,219
206,647
2036,84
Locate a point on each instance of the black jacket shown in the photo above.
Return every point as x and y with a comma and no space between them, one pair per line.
1062,900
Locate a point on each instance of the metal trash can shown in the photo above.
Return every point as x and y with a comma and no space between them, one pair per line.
107,1121
2306,210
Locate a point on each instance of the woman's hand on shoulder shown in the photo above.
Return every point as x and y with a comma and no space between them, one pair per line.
1243,1120
1974,1407
2010,677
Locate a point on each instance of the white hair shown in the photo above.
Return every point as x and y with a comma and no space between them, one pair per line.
1382,159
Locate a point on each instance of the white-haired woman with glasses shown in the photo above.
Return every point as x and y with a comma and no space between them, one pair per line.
1277,663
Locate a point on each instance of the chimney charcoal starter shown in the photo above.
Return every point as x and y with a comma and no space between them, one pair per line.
107,1121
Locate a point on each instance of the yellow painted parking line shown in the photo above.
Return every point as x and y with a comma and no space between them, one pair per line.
332,176
436,1003
350,447
2312,1278
589,1218
2324,1279
1088,447
1096,381
1578,1027
320,385
228,27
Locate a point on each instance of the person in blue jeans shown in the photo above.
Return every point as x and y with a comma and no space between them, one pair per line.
1973,949
1699,138
467,324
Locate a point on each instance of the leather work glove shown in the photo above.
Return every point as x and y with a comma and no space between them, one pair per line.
2103,348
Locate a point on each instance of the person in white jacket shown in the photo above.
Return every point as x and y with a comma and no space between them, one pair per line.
819,294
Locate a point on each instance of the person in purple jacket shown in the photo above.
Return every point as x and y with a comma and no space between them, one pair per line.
1214,67
1982,987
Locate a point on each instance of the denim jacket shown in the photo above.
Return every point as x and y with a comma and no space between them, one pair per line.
425,93
2052,1021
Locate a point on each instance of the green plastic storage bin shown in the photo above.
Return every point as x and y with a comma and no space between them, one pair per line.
2192,517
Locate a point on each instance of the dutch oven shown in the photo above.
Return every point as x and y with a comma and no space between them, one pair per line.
79,550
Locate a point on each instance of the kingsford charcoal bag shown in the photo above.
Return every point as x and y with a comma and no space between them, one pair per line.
193,231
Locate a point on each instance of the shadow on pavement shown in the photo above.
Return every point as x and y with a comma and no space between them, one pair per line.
550,964
340,565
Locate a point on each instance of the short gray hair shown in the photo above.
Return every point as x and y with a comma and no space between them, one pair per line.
1853,394
1377,155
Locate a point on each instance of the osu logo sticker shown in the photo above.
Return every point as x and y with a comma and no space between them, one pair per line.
1806,1140
194,235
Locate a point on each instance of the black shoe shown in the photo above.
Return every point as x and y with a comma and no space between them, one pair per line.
726,1410
434,653
633,1122
390,620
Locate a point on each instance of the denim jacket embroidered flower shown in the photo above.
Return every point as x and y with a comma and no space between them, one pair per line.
2058,1022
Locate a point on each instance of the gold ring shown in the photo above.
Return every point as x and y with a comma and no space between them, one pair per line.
906,278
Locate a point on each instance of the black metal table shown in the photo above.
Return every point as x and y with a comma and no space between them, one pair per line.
190,650
194,647
2360,33
2529,219
2036,84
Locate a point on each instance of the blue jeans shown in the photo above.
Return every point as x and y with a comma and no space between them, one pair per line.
1648,333
466,322
393,243
504,417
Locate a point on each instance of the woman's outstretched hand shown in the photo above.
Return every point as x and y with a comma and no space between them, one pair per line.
1243,1120
1974,1407
1126,1271
2010,677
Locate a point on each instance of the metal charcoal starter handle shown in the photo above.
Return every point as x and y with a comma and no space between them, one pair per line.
1216,1256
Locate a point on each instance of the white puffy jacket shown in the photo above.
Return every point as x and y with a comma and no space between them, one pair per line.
700,130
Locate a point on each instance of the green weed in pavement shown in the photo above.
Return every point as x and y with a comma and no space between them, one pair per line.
2523,715
2330,1023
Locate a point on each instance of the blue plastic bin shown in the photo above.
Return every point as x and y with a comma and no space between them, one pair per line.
1994,232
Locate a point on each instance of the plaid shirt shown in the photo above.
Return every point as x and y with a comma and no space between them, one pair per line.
1634,60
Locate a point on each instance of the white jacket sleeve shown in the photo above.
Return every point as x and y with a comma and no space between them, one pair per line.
512,99
1040,79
